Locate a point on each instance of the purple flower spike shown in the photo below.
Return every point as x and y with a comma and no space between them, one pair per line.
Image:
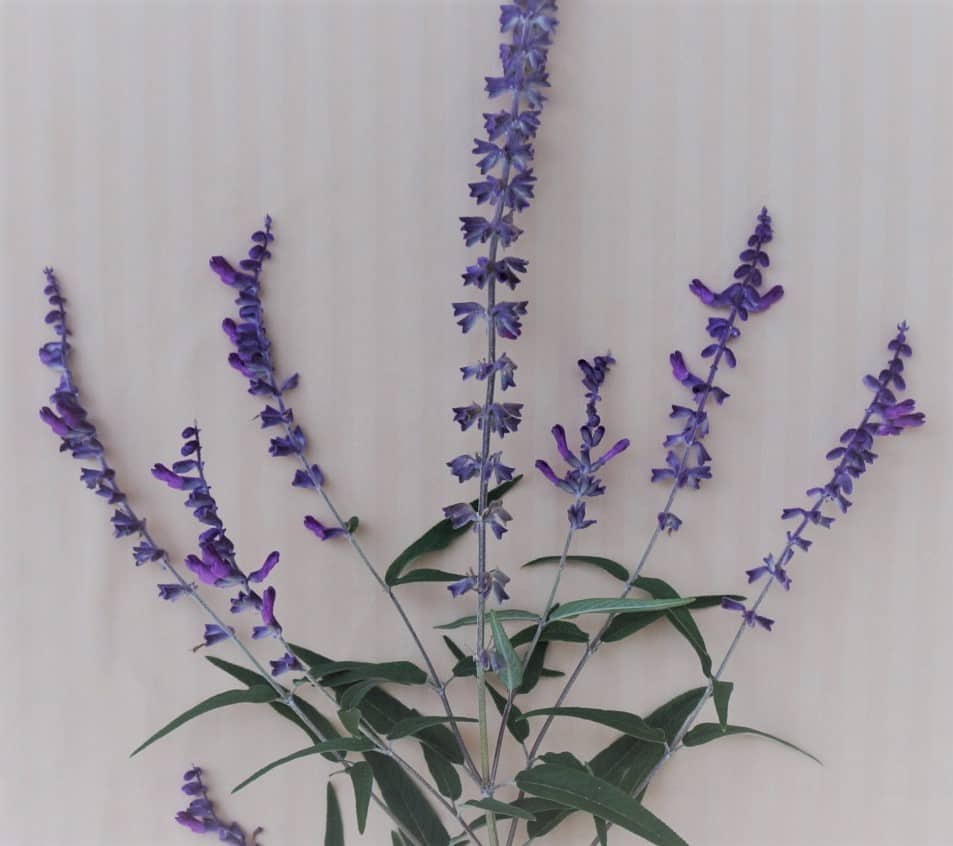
853,457
507,186
312,524
200,816
580,481
740,298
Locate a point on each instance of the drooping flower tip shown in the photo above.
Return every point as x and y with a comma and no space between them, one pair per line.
312,524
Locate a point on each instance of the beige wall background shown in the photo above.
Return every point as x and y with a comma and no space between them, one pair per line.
138,138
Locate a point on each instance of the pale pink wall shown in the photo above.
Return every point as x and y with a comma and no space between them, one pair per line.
136,139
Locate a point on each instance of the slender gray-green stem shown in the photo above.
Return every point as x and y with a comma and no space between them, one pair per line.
550,602
484,493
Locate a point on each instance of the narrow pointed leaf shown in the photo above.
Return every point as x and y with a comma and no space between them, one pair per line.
626,761
592,795
258,694
501,809
340,673
382,711
445,775
334,829
680,618
516,725
426,575
406,802
339,744
354,695
503,616
511,673
362,780
721,693
706,732
614,605
613,568
437,537
622,721
412,725
560,630
351,720
602,832
315,717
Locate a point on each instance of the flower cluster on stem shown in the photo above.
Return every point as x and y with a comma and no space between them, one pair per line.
200,816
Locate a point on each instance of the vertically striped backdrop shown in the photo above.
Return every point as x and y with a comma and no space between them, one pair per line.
139,138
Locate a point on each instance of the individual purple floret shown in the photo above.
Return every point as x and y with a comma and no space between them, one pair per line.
884,416
751,619
581,481
688,466
200,816
494,581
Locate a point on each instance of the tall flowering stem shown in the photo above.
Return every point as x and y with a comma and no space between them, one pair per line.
886,415
507,186
580,482
252,357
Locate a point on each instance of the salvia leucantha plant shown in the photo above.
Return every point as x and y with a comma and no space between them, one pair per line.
359,726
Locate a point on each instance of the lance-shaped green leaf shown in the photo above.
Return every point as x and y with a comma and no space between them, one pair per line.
506,616
340,673
627,760
339,744
428,575
252,679
362,780
352,696
721,693
614,605
444,774
334,828
613,568
258,695
437,537
680,618
351,720
511,673
412,725
560,630
406,802
622,721
500,809
516,725
706,732
592,795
